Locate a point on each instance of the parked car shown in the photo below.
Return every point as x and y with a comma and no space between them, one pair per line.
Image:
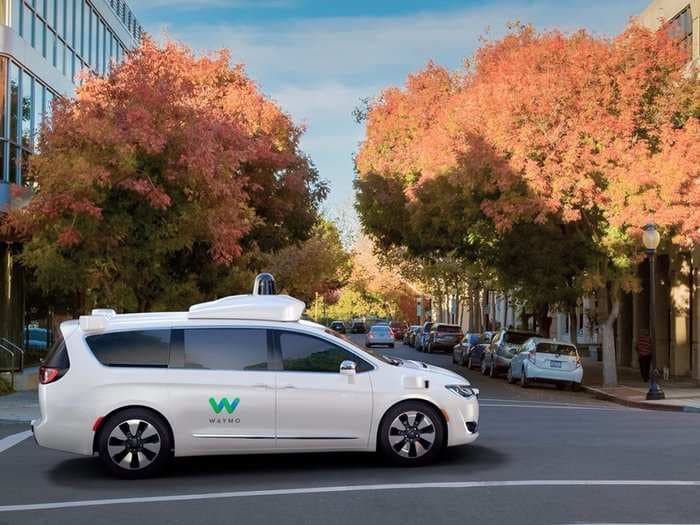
410,336
496,358
461,350
548,361
239,375
379,335
422,336
36,338
443,337
358,327
398,329
338,326
476,352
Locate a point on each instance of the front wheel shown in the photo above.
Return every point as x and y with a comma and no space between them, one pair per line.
510,377
523,379
411,433
483,367
492,370
469,363
135,443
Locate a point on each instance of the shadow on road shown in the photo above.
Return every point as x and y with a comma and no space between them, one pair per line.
271,469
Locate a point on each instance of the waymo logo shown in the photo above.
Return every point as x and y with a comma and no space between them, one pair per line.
224,403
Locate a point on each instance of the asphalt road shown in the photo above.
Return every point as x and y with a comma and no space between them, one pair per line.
544,456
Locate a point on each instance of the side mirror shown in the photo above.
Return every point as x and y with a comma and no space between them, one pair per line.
348,368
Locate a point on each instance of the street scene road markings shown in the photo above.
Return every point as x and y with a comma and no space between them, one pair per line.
348,488
11,441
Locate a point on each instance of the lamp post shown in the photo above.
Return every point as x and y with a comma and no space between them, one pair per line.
651,239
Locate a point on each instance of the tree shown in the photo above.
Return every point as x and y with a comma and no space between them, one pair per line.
163,182
583,136
318,266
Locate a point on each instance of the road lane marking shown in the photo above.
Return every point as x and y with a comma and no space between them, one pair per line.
11,441
347,488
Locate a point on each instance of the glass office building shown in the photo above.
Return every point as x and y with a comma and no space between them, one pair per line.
44,45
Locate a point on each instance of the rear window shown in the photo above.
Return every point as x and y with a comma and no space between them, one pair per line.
551,348
380,329
142,348
449,328
516,338
57,357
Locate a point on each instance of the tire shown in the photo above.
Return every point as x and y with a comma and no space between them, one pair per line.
418,448
368,345
429,349
560,386
483,367
523,379
392,345
509,376
147,431
469,363
575,387
454,361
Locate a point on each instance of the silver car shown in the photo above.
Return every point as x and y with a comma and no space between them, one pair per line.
379,335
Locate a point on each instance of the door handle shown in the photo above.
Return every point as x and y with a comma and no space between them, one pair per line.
261,385
287,387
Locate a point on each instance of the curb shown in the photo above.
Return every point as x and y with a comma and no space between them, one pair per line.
644,405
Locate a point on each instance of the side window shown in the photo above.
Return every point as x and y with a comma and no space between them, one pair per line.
305,353
226,348
142,348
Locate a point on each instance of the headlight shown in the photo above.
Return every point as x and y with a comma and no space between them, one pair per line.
464,390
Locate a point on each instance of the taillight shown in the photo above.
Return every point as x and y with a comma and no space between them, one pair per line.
49,375
578,361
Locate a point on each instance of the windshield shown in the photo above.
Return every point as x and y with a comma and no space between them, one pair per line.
553,348
516,338
383,358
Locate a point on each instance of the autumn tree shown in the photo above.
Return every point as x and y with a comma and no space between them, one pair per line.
316,267
587,137
164,182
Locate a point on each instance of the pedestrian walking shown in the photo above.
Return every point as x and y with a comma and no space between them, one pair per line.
644,351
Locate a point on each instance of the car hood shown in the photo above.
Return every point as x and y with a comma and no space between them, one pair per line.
426,368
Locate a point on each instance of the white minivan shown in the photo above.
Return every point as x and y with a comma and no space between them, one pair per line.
239,375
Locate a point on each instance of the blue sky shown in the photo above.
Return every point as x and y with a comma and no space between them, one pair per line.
319,58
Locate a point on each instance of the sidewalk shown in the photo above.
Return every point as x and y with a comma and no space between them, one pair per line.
19,407
682,395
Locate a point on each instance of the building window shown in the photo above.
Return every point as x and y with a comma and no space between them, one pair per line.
27,109
680,28
14,101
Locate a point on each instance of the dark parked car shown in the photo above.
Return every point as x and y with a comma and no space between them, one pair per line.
443,337
338,326
476,353
496,358
422,336
358,327
410,336
461,350
398,329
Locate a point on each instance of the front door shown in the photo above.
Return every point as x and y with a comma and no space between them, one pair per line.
317,407
223,390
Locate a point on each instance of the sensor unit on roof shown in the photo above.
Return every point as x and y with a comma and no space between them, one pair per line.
264,285
251,307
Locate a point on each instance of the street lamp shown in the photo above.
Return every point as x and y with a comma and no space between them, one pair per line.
651,239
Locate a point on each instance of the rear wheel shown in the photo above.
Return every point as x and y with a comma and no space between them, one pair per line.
469,363
411,434
483,367
135,443
492,370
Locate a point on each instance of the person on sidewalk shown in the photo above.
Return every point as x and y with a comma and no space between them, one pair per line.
644,352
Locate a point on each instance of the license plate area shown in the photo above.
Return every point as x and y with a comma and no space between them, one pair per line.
555,364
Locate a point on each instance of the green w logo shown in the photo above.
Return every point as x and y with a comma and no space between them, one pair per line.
218,406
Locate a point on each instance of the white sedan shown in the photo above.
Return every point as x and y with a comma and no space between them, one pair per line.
379,335
547,361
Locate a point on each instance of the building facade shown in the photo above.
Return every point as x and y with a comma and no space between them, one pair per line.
44,45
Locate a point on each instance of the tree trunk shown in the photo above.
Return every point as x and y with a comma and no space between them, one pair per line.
608,328
573,325
543,320
505,311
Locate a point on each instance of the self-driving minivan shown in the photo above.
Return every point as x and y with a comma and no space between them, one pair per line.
239,375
